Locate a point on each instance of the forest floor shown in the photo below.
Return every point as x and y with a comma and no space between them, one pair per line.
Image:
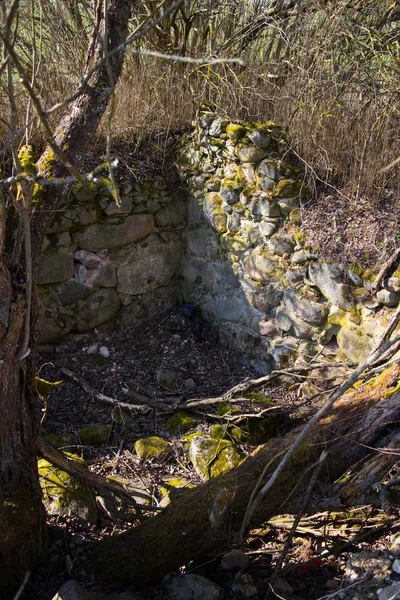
198,369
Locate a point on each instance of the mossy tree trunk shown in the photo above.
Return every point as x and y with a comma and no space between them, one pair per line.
207,519
22,523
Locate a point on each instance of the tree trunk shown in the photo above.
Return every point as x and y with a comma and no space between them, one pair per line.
207,519
22,523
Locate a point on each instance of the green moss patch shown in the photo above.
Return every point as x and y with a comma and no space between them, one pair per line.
180,423
151,447
95,434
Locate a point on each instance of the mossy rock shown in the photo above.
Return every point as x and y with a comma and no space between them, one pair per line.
211,457
61,440
235,132
180,423
63,495
151,447
235,434
123,418
290,188
82,194
226,408
173,487
95,434
219,432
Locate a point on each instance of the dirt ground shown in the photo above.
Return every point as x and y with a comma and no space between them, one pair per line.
137,359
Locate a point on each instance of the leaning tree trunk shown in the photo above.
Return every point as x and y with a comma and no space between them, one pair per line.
207,519
22,524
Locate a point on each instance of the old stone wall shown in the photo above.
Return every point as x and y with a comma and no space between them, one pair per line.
111,266
246,264
229,241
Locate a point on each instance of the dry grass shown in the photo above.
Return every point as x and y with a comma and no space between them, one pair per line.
327,71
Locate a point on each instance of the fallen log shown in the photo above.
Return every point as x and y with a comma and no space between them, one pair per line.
207,519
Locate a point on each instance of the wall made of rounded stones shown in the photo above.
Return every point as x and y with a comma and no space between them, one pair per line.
106,265
246,265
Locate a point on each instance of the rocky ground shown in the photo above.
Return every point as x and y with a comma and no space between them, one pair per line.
169,361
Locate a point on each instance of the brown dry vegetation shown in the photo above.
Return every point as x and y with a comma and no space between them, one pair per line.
327,71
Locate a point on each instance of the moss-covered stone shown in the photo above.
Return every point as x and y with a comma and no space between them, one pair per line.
151,447
180,423
63,495
172,487
235,132
214,213
95,434
212,457
61,440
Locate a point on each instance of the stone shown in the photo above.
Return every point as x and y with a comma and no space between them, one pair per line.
217,127
55,267
104,275
72,291
259,265
149,266
104,352
388,298
290,323
88,215
168,378
63,495
53,326
328,278
268,227
213,184
268,207
354,342
289,188
235,132
233,222
214,213
393,284
185,587
151,447
173,486
260,136
172,214
302,256
244,587
63,221
63,240
71,590
180,423
124,208
281,244
250,154
95,434
212,457
92,349
89,259
266,184
306,306
195,211
287,205
231,193
235,560
249,174
82,193
197,240
101,306
100,236
390,592
61,441
269,168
